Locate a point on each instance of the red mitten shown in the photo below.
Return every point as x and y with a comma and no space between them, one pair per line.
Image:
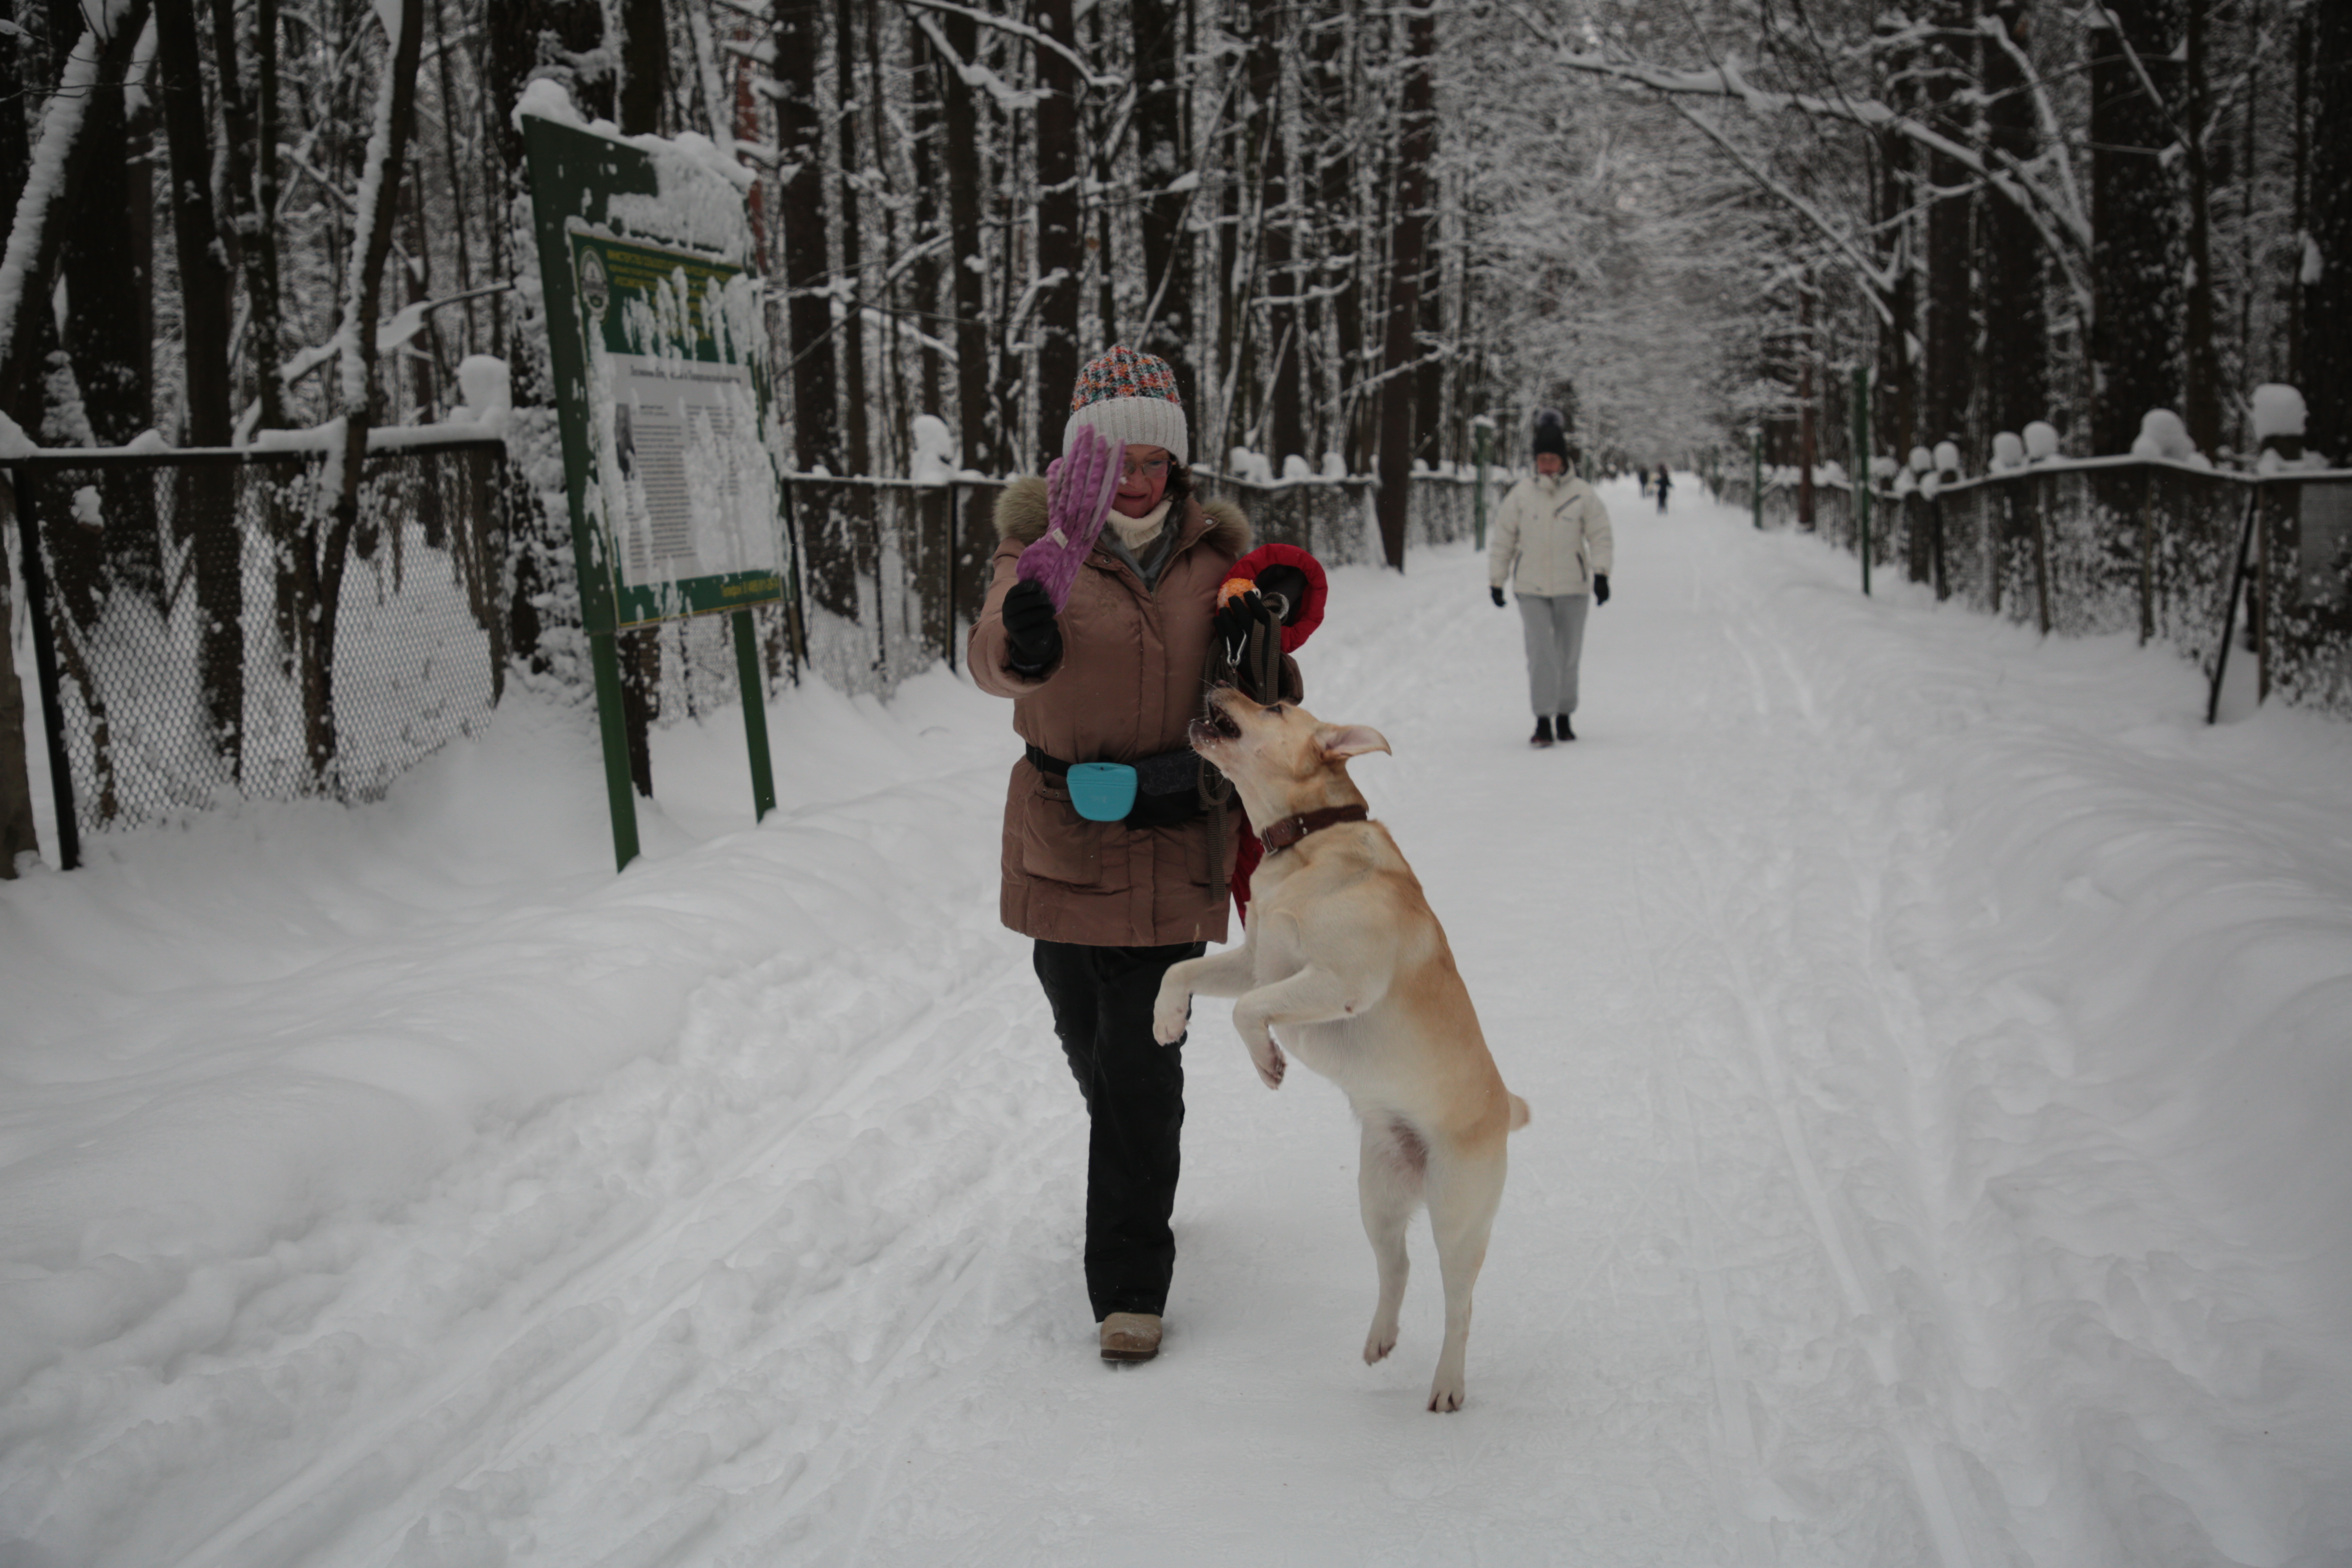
1307,608
1078,492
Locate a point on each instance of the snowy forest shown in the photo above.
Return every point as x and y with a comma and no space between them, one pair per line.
1364,234
1355,227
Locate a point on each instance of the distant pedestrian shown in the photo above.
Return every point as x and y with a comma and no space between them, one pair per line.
1664,484
1552,542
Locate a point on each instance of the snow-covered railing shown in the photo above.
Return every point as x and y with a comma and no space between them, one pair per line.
2137,544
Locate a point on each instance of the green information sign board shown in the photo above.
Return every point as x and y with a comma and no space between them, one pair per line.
654,333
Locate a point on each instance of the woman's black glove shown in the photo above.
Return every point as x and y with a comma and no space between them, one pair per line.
1033,637
1239,615
1498,592
1601,588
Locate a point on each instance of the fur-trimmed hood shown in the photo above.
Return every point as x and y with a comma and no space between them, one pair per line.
1020,518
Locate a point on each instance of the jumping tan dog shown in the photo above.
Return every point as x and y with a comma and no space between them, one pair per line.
1342,954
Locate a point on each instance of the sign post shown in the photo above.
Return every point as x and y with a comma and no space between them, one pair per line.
658,349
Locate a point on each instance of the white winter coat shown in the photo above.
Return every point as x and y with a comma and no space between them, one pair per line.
1554,531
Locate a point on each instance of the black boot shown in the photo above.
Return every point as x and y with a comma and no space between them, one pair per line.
1564,733
1542,737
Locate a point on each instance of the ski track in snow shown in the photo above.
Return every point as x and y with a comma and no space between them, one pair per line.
800,1284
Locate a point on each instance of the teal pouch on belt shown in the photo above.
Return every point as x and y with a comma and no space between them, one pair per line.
1102,792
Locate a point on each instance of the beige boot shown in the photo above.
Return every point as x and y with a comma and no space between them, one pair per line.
1130,1336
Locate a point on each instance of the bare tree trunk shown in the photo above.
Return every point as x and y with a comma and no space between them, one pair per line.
2201,394
800,133
1061,242
1285,427
2136,245
1807,351
2328,299
1012,263
644,66
1895,418
1105,132
1416,137
323,555
1337,224
980,440
1429,340
2294,269
2017,336
858,452
18,834
249,116
1945,412
206,513
1164,154
924,276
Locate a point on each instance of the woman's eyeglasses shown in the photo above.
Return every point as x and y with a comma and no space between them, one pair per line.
1138,469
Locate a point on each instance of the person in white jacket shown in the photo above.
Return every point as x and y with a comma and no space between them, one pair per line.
1551,542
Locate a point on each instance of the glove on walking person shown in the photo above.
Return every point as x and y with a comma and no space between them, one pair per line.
1601,588
1498,596
1033,636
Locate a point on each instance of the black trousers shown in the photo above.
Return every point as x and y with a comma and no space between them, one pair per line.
1134,1090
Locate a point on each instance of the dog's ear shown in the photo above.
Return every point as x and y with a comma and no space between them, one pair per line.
1341,742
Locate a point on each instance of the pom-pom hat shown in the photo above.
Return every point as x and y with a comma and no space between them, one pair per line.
1131,397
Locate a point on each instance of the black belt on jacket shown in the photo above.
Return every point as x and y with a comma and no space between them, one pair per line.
1167,786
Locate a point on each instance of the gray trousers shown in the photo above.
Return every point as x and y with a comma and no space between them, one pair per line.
1555,628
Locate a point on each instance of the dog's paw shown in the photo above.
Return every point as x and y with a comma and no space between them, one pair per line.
1170,1015
1444,1398
1271,1063
1378,1344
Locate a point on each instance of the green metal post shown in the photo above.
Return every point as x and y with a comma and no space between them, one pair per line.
755,712
1861,479
1756,473
620,789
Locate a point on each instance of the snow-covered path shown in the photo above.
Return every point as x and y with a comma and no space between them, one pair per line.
1936,1038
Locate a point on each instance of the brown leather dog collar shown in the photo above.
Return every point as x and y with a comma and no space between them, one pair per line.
1282,835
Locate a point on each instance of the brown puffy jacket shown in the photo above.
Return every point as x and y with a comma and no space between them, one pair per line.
1126,686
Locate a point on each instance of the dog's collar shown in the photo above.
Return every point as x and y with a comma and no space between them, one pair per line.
1280,835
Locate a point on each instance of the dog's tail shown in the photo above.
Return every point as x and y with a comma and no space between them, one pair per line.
1519,1114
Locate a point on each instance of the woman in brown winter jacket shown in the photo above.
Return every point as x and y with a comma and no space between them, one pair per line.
1117,676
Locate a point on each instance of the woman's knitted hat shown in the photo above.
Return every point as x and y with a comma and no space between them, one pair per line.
1131,397
1552,433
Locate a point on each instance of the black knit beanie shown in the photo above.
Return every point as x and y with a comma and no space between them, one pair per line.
1552,435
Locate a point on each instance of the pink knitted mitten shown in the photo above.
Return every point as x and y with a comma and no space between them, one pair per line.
1078,492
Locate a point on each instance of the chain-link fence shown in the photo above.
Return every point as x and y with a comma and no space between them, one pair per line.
204,626
204,623
2130,545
